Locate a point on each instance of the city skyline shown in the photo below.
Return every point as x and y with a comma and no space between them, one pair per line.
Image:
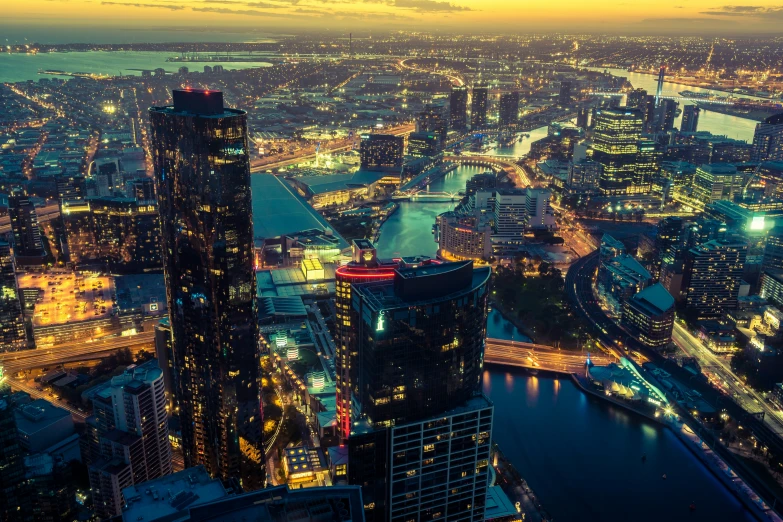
94,17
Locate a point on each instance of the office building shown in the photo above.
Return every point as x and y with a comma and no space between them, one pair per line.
508,112
510,213
479,104
71,187
142,190
364,267
13,335
564,98
28,245
479,182
464,236
619,279
768,139
42,426
421,449
773,250
123,233
208,258
382,152
108,178
615,146
583,118
422,144
690,118
663,116
433,119
713,274
649,316
583,176
648,165
772,286
50,488
131,434
458,108
539,209
717,181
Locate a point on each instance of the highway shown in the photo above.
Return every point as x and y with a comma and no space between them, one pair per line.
725,379
14,362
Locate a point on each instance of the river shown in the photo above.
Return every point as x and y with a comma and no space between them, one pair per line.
714,122
22,67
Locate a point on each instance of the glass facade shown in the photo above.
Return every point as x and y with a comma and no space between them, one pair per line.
615,146
199,152
12,330
382,152
478,107
508,112
458,108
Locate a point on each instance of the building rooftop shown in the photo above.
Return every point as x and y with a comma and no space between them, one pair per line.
37,416
141,292
324,184
165,497
279,211
657,297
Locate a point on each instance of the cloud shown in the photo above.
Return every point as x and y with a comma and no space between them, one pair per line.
431,6
244,12
755,11
172,7
712,21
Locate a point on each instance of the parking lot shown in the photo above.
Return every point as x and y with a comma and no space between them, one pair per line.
69,297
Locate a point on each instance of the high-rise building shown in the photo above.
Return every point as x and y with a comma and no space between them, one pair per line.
649,316
132,435
663,116
478,107
583,176
12,498
768,139
28,245
712,276
458,108
433,119
464,236
648,165
539,208
207,228
716,181
422,144
124,233
773,250
508,112
564,97
382,152
690,118
659,89
510,213
615,146
421,447
13,336
364,267
636,99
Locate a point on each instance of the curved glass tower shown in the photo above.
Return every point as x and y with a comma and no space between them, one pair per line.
199,150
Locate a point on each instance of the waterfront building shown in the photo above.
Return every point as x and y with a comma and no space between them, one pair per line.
422,444
433,119
508,108
122,232
464,236
422,144
207,237
615,146
702,147
649,316
690,118
564,97
478,108
382,152
458,108
717,181
713,274
663,116
25,230
510,213
481,182
13,335
583,176
768,139
131,434
365,266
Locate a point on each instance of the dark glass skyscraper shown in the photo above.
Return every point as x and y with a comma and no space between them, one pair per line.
458,108
690,118
478,107
509,108
12,330
420,449
25,228
615,147
199,151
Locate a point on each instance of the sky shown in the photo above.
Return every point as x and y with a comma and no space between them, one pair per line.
121,20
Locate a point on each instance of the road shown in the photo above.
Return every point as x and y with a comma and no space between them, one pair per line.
727,381
14,362
456,80
308,154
